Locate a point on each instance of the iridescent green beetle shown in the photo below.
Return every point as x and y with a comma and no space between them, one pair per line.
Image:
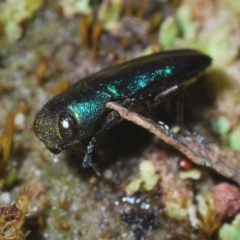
80,112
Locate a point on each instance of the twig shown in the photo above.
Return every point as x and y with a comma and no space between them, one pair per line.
223,160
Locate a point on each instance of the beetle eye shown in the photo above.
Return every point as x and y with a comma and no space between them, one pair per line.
67,126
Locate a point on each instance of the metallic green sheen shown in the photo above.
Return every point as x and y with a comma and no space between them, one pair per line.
138,83
86,109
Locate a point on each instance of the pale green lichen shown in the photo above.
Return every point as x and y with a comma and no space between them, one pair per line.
174,209
133,186
148,175
147,178
168,32
209,221
221,125
234,139
193,173
220,35
204,205
13,13
230,231
109,13
72,7
188,26
213,34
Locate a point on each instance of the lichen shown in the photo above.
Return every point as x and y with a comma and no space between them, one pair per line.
221,125
110,12
14,13
230,231
147,178
72,7
234,139
213,34
168,32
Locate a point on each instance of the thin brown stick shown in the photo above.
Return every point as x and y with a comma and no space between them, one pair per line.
223,160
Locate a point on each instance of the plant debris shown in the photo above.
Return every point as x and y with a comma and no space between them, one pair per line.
221,159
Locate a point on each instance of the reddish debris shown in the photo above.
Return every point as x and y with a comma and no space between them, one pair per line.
226,199
10,212
184,163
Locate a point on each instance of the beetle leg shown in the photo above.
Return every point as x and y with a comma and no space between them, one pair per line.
179,108
165,94
108,122
179,103
146,109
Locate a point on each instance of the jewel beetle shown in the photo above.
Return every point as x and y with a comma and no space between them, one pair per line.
80,111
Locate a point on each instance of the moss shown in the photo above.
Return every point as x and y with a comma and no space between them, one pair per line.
12,217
